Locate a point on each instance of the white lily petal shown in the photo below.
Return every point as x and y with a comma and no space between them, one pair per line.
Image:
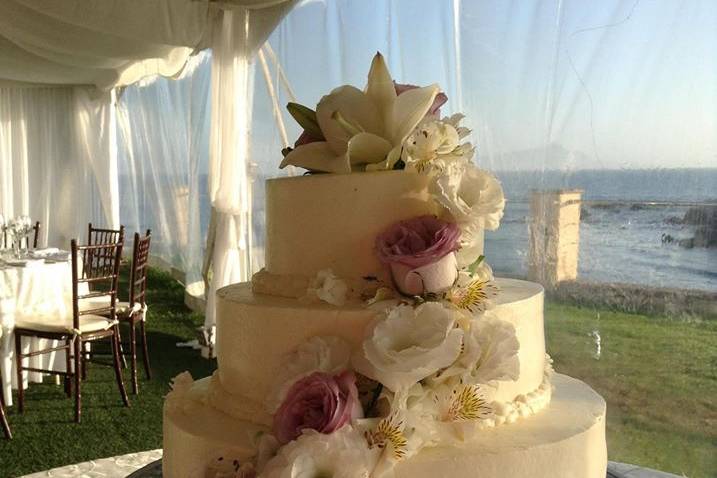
408,110
354,107
391,159
380,88
317,156
367,148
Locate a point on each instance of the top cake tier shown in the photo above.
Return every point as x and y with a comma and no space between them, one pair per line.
329,221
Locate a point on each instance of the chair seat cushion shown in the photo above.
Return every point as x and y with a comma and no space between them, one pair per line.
88,323
122,307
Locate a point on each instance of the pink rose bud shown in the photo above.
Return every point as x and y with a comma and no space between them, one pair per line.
320,402
435,109
435,277
421,254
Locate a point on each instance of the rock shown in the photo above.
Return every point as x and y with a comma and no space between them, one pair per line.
613,207
676,220
687,243
701,216
705,236
584,213
704,218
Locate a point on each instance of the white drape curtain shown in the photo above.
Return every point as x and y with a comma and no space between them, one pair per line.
163,148
230,242
55,160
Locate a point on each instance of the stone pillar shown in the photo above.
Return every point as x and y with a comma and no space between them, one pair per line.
554,236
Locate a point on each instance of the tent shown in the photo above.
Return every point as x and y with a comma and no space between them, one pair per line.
90,131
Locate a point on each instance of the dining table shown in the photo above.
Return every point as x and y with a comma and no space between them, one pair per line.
36,284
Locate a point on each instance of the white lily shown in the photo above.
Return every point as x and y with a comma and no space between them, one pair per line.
363,129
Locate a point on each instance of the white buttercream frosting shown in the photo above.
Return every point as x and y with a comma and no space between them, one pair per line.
325,221
566,439
258,331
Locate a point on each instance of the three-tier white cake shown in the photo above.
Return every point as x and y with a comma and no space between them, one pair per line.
376,342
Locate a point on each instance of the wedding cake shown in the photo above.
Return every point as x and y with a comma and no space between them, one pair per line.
376,341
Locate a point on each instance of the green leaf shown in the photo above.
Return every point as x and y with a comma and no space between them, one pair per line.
474,267
306,117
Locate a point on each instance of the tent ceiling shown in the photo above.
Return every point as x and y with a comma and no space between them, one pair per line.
104,43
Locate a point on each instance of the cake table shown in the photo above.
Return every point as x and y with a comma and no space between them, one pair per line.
148,464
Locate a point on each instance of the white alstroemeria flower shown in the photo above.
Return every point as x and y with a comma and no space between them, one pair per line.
430,140
363,128
329,288
490,354
318,354
341,454
409,344
455,121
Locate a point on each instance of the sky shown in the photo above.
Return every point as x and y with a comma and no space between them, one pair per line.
608,84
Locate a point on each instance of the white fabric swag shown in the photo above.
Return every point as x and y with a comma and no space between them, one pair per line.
98,42
56,164
229,241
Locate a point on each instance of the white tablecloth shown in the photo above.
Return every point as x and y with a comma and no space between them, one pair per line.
116,467
38,288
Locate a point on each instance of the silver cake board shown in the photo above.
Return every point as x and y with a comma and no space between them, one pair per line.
614,470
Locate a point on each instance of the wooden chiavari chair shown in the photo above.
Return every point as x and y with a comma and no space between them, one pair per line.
100,271
3,418
134,311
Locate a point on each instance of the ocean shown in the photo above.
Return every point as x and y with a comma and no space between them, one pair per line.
626,214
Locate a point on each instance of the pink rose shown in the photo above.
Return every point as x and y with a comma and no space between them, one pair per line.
420,253
435,109
320,402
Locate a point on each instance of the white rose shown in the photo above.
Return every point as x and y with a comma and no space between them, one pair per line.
342,454
410,344
318,354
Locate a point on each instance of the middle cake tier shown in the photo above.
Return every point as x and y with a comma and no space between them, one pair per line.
256,332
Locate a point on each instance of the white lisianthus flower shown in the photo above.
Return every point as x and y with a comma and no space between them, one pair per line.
327,354
328,288
342,454
490,354
470,194
410,344
474,199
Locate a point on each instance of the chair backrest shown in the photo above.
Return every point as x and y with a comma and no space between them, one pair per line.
96,235
100,271
99,236
138,273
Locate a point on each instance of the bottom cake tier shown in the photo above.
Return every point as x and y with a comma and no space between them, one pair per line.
565,440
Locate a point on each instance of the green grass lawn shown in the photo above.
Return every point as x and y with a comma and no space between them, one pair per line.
659,378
